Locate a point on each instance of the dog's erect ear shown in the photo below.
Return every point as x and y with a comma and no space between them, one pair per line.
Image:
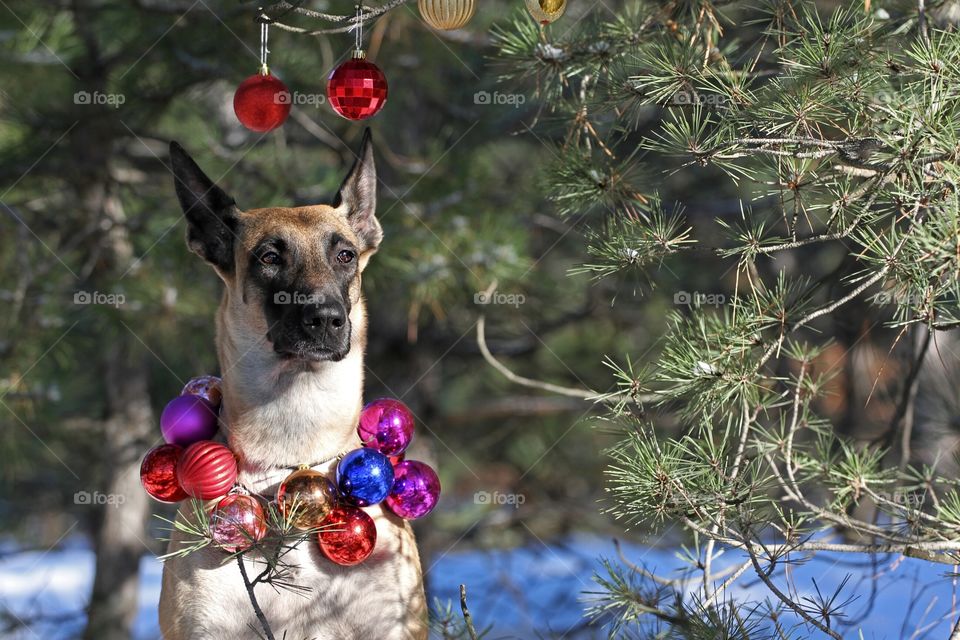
357,198
211,213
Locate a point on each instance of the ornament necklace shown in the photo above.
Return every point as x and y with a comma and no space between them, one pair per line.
192,465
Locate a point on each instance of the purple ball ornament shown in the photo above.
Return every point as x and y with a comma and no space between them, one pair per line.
416,489
188,419
386,425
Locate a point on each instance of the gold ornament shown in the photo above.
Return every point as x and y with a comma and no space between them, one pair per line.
446,14
306,497
546,11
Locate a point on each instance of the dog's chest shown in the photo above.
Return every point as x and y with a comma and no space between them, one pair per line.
314,598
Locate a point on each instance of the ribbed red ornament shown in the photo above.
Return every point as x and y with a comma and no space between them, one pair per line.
357,89
262,103
158,473
207,470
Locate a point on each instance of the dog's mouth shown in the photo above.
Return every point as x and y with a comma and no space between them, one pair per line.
308,354
318,354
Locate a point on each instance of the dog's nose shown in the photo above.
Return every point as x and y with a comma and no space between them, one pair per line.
320,318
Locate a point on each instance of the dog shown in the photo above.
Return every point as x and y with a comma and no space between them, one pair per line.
290,337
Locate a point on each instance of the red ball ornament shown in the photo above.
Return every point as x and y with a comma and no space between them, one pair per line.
357,89
262,102
207,470
158,473
237,522
348,537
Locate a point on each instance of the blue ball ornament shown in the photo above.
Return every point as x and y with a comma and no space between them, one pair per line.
365,477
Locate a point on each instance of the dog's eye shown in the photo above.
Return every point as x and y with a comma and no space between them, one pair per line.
270,257
346,256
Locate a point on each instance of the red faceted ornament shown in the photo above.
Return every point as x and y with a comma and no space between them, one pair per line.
158,473
262,102
348,537
207,470
237,522
357,89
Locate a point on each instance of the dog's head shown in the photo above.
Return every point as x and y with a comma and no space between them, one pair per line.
295,270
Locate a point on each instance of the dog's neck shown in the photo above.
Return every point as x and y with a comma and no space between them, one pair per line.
278,413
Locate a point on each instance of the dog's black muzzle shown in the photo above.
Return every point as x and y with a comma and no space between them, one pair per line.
313,326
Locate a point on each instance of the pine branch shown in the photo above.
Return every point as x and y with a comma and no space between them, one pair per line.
277,10
253,599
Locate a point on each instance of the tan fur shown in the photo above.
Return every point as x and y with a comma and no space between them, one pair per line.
280,413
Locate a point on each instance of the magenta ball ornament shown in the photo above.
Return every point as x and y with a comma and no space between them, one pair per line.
188,419
416,489
386,425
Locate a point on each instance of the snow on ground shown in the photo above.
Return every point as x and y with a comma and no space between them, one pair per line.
520,591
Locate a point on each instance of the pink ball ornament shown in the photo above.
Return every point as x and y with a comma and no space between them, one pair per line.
386,425
188,419
210,388
237,522
416,490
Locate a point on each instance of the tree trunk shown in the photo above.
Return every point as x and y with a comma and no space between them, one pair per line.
121,536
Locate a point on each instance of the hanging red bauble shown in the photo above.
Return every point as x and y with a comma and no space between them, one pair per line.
262,102
158,473
207,470
348,537
357,89
237,522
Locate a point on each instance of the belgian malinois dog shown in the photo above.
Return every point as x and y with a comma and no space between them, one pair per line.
291,332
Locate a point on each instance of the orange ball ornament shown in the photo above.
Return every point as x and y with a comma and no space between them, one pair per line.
306,497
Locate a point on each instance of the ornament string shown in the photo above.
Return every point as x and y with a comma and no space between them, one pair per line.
264,36
358,32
